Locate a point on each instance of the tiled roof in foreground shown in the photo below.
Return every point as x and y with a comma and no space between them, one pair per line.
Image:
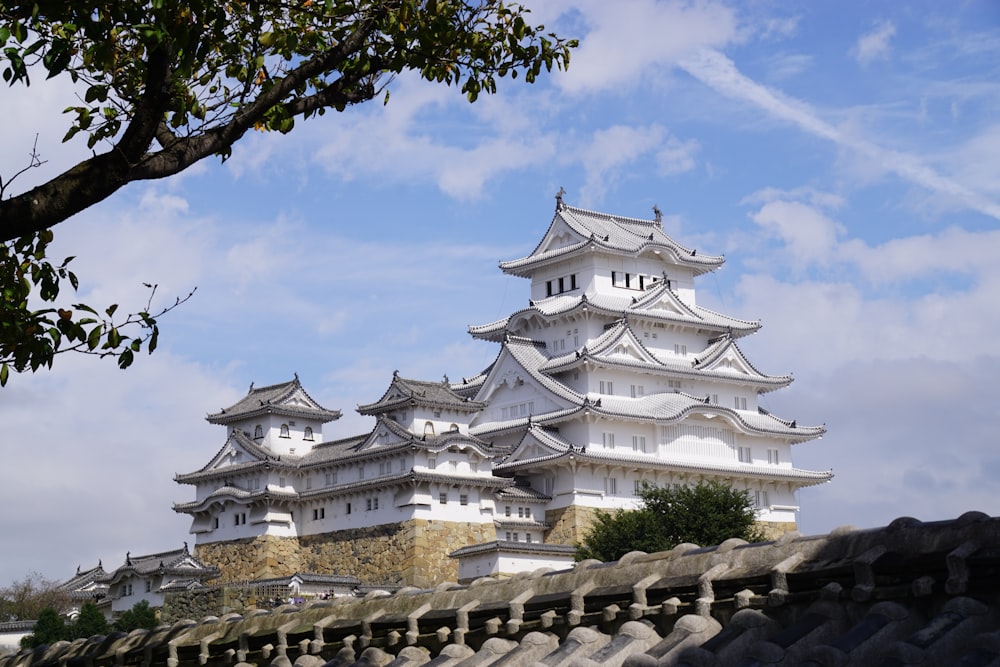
910,593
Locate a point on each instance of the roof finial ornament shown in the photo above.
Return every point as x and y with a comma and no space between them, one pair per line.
559,200
185,547
446,381
128,557
395,373
249,390
659,214
296,376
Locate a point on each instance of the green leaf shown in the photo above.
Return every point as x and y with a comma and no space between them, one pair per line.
4,372
125,359
94,339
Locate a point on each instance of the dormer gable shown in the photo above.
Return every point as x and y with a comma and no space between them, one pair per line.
282,418
724,357
620,344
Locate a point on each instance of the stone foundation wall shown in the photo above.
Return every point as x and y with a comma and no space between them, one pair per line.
569,524
775,529
260,557
409,553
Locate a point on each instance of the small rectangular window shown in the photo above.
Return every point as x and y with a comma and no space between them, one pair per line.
527,537
572,281
562,285
744,455
548,288
463,499
506,510
637,489
609,440
507,536
628,280
772,456
348,508
443,498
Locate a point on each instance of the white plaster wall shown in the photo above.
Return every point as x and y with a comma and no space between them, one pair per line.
513,563
121,603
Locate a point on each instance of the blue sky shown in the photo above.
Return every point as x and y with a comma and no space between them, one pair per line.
843,157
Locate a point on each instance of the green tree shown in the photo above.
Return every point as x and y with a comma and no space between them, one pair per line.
90,622
49,629
167,83
26,598
141,615
706,513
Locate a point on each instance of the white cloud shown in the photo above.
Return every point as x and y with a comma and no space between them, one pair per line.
720,73
808,234
631,40
609,150
874,45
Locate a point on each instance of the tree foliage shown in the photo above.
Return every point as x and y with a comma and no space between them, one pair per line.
49,629
706,513
26,598
141,615
163,84
90,622
166,83
31,337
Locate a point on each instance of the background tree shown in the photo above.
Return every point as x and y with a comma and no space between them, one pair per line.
165,84
49,629
25,599
706,513
90,622
141,615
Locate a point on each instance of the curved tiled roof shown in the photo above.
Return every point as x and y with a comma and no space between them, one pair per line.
910,593
609,233
728,470
263,458
273,400
409,477
177,561
615,306
508,546
402,392
235,493
600,352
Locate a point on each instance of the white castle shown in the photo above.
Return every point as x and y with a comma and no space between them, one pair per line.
612,377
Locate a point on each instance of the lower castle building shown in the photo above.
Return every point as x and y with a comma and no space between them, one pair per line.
610,378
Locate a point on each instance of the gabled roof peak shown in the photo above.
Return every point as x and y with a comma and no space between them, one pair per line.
285,398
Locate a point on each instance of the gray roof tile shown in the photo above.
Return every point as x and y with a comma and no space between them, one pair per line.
907,593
